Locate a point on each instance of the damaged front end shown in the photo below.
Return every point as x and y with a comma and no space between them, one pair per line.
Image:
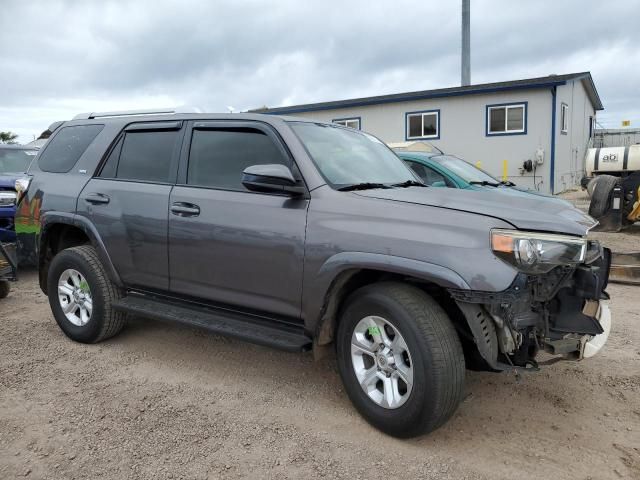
556,308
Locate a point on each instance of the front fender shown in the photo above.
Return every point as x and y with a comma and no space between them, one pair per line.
318,289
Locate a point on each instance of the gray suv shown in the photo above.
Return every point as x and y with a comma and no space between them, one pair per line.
303,235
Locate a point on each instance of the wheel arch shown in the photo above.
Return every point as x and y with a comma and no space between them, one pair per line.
61,230
344,273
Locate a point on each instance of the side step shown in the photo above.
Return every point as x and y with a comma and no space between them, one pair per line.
222,322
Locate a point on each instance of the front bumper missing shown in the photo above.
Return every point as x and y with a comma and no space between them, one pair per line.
564,313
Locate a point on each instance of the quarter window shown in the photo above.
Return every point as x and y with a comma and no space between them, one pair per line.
63,150
506,119
218,157
423,124
564,117
348,122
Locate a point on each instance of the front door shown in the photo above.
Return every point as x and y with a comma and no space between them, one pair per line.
129,198
228,245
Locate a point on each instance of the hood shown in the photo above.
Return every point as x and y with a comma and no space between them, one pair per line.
9,180
524,211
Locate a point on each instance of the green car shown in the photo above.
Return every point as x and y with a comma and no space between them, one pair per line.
438,169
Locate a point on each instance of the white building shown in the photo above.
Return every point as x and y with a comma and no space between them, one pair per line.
500,125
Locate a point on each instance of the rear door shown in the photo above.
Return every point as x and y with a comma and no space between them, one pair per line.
228,245
128,201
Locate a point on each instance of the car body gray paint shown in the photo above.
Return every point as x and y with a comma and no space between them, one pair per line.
528,212
440,235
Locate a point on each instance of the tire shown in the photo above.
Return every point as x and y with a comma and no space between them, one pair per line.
592,183
5,288
601,194
436,359
103,322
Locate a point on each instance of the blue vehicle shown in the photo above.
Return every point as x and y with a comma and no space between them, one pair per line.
14,162
438,169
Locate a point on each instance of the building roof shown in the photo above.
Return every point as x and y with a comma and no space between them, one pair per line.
528,83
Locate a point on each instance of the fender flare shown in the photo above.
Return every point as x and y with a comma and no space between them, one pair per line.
316,300
49,219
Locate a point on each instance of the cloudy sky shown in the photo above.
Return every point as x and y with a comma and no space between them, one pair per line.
59,58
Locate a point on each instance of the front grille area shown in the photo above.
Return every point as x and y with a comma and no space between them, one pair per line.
6,223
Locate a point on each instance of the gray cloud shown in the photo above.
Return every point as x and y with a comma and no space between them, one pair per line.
59,58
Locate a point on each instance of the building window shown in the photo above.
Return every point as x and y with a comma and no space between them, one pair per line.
564,117
507,119
422,125
348,122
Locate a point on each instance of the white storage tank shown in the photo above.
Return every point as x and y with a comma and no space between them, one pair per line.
613,160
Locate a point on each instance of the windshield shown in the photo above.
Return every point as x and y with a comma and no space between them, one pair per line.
463,169
349,157
15,161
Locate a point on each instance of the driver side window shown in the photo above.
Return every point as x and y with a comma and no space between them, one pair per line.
219,156
428,175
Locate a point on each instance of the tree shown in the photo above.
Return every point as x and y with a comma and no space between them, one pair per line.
8,137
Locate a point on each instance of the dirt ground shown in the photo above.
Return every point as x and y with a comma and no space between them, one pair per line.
163,401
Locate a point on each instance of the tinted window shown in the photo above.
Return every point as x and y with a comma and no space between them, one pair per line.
111,165
147,156
218,157
64,149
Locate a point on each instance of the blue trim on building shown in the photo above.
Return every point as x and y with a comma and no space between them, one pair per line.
503,134
403,98
552,162
406,125
359,119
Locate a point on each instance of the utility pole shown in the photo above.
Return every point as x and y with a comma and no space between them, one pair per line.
465,68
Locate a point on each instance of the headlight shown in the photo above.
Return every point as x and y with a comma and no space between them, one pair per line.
532,252
22,184
7,199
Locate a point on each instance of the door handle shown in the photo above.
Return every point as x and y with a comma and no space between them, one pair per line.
184,209
96,198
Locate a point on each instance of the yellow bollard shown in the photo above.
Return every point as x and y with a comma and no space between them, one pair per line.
504,170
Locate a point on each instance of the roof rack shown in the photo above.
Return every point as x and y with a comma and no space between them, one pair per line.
131,113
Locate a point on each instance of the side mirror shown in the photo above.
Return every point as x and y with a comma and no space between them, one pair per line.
273,178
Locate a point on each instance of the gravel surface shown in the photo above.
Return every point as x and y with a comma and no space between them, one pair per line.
162,401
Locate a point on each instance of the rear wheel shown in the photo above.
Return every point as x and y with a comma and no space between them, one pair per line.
81,296
602,186
400,359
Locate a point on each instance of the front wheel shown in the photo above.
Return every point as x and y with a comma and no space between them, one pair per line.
400,359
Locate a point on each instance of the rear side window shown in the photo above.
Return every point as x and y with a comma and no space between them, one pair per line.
64,149
218,157
144,156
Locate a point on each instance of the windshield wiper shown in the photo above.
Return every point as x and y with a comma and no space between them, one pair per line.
362,186
507,183
408,183
484,183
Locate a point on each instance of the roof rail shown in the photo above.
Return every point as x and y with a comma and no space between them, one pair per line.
130,113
